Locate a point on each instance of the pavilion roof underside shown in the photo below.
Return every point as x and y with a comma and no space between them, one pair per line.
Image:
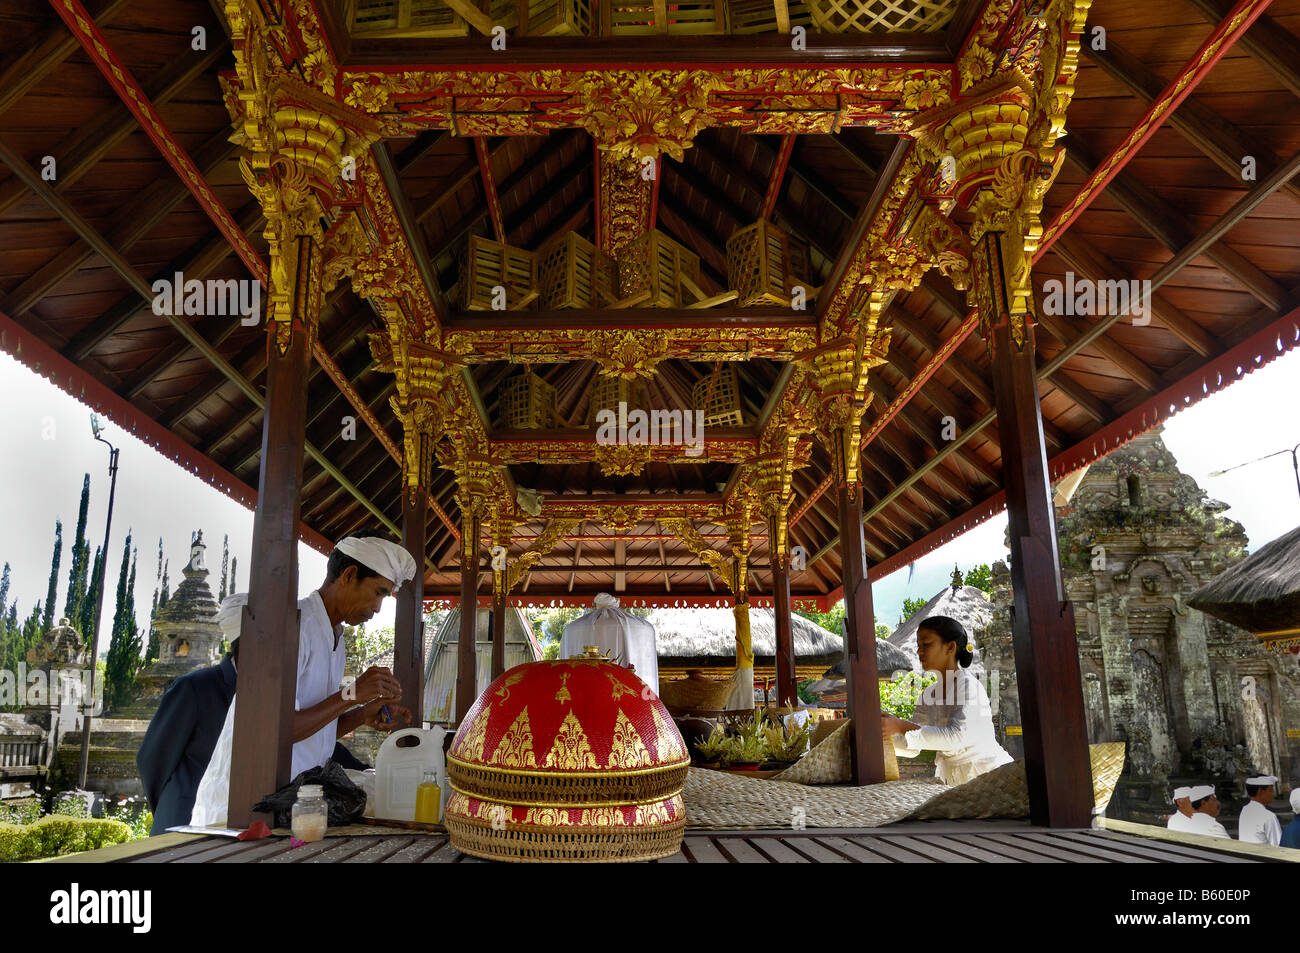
117,215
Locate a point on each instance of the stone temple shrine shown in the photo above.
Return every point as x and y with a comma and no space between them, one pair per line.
1193,696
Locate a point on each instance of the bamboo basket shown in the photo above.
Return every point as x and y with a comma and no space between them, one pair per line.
695,692
573,273
528,403
656,264
606,392
638,17
764,264
556,18
759,16
718,395
406,18
882,16
487,264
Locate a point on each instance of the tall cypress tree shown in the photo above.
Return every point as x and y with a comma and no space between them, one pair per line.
53,592
164,595
225,559
4,622
233,563
85,621
124,646
80,560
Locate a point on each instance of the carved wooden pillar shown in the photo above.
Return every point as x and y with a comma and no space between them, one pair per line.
500,590
466,648
786,691
1047,654
263,735
408,625
841,368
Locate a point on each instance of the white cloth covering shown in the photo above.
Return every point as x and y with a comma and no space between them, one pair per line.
1178,821
1200,792
1182,793
1262,780
1202,823
385,557
627,639
320,670
1258,825
957,723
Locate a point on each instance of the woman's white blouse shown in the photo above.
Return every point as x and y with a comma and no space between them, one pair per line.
956,722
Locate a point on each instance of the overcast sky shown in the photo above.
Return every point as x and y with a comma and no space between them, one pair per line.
41,481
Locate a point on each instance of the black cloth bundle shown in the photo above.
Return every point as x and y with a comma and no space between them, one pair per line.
345,800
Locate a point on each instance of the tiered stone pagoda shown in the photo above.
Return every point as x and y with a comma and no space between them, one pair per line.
1193,696
188,636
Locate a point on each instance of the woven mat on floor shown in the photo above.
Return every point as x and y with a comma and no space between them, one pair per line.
716,800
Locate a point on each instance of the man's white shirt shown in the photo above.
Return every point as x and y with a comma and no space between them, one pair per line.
1258,825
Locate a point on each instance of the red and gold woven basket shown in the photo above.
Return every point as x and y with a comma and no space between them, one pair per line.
573,760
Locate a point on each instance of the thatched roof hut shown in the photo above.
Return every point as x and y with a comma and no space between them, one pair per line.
704,638
968,605
1260,594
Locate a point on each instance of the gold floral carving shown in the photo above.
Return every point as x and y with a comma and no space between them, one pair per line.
563,694
619,519
515,749
621,459
626,352
571,750
556,530
627,750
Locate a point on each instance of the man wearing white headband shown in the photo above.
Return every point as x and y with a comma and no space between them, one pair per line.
1205,808
363,569
1257,824
1178,821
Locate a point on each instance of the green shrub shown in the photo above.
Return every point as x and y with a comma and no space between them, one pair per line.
56,835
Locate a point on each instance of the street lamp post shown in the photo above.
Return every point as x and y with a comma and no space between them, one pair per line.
1295,463
97,429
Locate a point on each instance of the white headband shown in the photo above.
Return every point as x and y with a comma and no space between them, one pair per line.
230,614
1262,780
389,559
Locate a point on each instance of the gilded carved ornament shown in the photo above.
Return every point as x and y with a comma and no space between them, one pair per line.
621,459
628,353
555,532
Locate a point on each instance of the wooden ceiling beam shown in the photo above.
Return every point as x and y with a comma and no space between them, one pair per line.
490,196
1267,41
82,148
553,189
1066,328
137,281
759,50
461,176
778,175
27,69
1219,140
1167,225
1086,259
152,207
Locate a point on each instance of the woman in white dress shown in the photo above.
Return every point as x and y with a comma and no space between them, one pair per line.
953,717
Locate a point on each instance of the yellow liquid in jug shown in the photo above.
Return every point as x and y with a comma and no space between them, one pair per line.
428,797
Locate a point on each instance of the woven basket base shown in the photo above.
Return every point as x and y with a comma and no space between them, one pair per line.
557,786
545,845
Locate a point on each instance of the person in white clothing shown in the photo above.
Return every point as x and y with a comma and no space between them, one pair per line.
1205,810
363,569
953,717
1179,820
1257,824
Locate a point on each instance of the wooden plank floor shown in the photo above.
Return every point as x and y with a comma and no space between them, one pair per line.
964,842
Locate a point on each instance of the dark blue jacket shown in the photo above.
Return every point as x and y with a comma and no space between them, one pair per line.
180,741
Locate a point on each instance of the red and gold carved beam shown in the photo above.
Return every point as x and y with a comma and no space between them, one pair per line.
686,335
490,188
718,445
778,176
648,110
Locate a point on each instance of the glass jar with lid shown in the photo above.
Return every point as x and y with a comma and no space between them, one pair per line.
310,815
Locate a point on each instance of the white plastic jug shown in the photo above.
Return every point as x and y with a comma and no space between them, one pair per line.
400,769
